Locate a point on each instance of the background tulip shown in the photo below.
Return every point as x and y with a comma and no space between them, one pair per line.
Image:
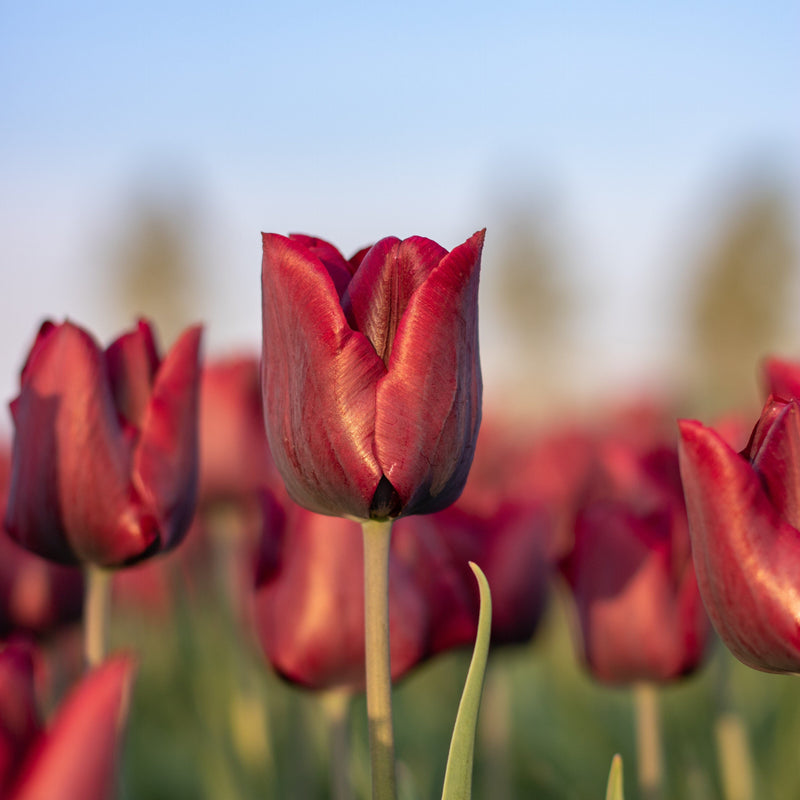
371,373
309,601
745,528
74,758
105,446
630,568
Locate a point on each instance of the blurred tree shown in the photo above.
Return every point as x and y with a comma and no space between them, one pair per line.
533,304
156,273
740,304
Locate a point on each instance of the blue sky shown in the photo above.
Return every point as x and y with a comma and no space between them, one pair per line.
355,120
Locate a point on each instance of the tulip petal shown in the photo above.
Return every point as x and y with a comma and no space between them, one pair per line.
387,277
782,378
76,758
70,496
318,382
777,459
338,267
19,723
132,361
166,456
745,555
429,402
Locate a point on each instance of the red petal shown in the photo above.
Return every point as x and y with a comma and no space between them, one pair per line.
782,378
379,292
165,458
76,758
429,402
70,496
132,361
339,268
777,459
19,721
746,557
318,385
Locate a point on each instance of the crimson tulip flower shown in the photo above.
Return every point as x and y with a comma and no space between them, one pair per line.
74,758
234,454
370,373
309,600
630,568
105,446
744,518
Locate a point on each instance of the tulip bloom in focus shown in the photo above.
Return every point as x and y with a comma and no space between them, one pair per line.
105,447
744,517
631,571
370,373
75,757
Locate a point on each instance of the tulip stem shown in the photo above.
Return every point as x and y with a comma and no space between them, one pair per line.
648,741
96,614
377,536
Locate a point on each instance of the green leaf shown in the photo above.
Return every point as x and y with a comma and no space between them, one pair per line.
458,776
614,790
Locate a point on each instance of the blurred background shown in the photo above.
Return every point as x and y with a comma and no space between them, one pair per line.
637,170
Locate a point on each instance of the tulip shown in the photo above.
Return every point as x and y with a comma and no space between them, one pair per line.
74,758
105,446
370,373
309,600
631,572
234,454
744,518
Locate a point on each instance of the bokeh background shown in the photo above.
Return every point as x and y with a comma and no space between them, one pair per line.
636,167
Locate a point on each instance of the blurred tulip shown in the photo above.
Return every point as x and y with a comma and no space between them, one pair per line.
370,373
630,569
75,757
744,518
782,378
105,448
504,526
309,602
234,454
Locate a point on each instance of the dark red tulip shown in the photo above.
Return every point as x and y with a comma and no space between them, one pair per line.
309,601
74,758
105,446
370,373
782,378
630,569
744,517
234,454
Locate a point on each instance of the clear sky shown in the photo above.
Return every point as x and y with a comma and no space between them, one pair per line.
357,120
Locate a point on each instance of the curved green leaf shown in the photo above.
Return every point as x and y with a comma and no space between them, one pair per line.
614,790
458,776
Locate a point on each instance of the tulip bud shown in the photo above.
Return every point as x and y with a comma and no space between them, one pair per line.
744,518
105,446
370,373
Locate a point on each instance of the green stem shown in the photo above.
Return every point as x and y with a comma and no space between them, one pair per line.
734,758
377,536
96,614
648,741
